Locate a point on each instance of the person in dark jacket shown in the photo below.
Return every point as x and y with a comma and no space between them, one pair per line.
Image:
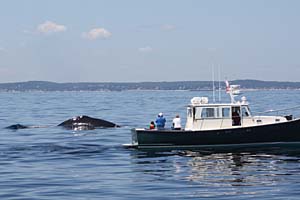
160,121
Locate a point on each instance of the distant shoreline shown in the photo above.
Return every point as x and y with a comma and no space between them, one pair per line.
44,86
83,91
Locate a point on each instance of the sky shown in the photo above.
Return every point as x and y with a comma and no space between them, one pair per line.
154,40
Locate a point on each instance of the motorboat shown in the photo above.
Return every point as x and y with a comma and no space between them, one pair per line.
221,124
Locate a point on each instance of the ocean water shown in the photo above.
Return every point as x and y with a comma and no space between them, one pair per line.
54,163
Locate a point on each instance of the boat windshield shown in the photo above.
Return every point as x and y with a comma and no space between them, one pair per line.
209,112
226,112
245,111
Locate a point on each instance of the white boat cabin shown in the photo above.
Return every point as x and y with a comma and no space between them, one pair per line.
202,115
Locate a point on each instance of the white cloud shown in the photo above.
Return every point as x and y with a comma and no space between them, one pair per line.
96,33
50,27
168,27
145,49
2,49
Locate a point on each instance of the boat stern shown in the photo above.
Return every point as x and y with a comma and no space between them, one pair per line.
134,138
134,141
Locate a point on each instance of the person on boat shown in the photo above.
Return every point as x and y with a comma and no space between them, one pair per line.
236,118
177,123
152,125
160,121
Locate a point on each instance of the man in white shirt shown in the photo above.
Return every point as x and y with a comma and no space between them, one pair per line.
177,123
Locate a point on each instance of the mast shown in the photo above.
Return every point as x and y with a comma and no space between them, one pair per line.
219,84
213,79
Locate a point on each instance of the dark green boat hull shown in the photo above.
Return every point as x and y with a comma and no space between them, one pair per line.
285,132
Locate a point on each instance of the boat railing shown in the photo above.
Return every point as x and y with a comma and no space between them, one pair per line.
292,111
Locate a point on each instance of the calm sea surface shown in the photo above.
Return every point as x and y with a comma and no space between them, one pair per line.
54,163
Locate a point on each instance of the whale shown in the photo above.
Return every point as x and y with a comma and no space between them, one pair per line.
21,126
81,122
84,122
17,126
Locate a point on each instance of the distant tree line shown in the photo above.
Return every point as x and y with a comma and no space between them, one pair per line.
118,86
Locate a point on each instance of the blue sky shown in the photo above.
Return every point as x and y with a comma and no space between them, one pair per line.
139,40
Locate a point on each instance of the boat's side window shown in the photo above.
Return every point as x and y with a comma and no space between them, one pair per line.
208,113
226,112
245,112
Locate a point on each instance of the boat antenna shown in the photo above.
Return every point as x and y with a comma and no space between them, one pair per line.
219,84
213,79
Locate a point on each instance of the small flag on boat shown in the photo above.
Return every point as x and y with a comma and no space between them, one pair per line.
227,86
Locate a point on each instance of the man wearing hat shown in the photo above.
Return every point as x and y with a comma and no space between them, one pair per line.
160,121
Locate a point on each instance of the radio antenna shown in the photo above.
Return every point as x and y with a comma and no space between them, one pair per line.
219,83
213,80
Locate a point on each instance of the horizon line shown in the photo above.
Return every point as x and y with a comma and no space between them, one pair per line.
46,81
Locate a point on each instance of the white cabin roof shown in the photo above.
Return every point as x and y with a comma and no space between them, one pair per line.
203,102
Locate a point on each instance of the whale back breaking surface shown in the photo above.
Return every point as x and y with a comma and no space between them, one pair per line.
16,126
76,123
86,123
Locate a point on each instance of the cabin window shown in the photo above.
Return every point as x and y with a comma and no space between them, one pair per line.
208,113
225,112
245,112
